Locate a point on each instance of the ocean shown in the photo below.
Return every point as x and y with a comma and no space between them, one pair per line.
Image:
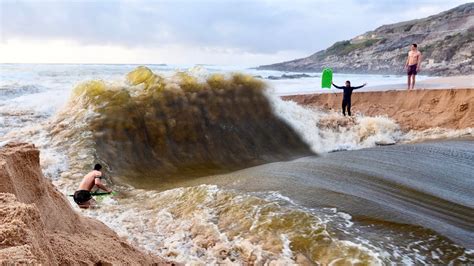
218,169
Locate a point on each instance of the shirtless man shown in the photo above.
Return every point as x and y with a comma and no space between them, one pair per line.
413,65
83,196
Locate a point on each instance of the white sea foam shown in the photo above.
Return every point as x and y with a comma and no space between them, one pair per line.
207,225
148,219
437,133
325,131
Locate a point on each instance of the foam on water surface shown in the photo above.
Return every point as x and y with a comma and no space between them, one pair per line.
207,224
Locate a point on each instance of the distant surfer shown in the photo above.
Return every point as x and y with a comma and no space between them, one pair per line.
346,99
413,65
83,196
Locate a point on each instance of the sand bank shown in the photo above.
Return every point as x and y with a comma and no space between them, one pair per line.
38,225
453,82
413,110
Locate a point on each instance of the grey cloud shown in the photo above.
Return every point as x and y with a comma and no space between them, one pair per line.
253,26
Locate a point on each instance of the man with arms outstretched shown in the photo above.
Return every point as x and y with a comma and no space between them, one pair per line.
413,65
83,196
346,98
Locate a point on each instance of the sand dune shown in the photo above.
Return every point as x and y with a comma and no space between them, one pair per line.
38,226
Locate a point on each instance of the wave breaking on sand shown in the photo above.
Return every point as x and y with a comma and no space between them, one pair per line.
162,138
38,225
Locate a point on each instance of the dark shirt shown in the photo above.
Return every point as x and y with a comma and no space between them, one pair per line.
347,90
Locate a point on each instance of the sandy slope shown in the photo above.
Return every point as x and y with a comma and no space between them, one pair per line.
38,226
416,109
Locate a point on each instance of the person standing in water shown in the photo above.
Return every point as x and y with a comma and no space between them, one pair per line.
346,99
413,65
83,196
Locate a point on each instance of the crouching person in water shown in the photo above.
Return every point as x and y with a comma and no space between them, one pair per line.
346,99
83,196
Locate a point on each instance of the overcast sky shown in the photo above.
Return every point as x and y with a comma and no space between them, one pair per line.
227,32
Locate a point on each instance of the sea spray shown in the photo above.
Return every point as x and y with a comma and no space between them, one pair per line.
134,216
174,126
206,224
328,131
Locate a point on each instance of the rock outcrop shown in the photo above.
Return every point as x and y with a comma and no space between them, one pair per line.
38,225
446,41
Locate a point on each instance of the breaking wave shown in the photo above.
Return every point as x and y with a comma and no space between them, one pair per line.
176,126
326,132
13,90
161,130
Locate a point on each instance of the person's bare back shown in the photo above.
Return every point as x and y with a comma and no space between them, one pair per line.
83,196
88,181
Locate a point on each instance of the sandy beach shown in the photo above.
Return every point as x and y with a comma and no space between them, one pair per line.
33,212
418,109
212,133
452,82
192,219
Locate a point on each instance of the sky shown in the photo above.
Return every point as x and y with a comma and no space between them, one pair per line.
224,32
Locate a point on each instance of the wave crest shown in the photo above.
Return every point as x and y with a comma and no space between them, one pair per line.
160,126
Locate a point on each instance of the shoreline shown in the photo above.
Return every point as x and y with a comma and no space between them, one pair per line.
434,83
419,109
427,83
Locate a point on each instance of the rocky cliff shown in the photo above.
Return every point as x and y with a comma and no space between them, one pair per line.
38,225
446,41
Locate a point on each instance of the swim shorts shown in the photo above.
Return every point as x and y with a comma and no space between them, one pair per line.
411,70
82,196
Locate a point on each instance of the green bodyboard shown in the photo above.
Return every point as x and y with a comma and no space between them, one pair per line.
101,197
326,78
